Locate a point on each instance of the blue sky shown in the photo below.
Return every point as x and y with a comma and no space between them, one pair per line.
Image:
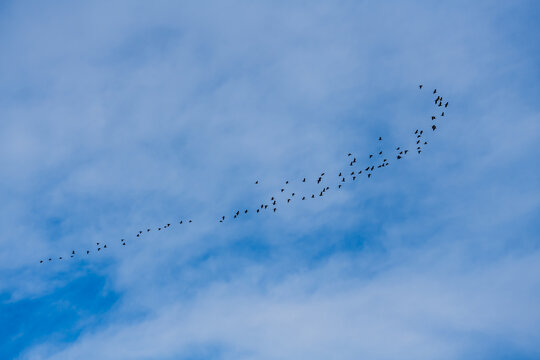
117,116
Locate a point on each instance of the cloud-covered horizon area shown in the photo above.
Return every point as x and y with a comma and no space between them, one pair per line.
117,116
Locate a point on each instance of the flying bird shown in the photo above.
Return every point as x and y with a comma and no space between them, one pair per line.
433,127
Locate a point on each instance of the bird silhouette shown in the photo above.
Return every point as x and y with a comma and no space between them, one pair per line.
446,105
435,91
433,127
420,86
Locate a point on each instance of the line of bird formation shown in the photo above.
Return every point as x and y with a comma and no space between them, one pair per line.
377,160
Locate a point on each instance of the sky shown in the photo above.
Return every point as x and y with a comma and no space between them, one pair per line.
117,116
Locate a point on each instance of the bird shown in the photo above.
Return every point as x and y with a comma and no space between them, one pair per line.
370,156
418,142
349,154
304,180
286,182
406,151
433,127
123,244
433,117
256,182
416,132
352,173
367,168
137,235
266,206
339,175
40,261
73,252
435,91
262,206
87,252
354,177
368,175
159,228
380,152
397,148
399,157
343,180
223,218
419,151
282,190
380,138
313,196
322,174
292,194
372,167
425,142
105,246
97,243
288,200
339,186
257,210
420,86
245,212
272,198
274,209
303,198
421,132
238,213
180,222
98,249
442,114
319,180
189,221
147,230
446,105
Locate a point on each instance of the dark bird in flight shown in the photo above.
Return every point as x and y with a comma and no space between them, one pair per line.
435,91
73,252
380,153
446,105
180,222
303,198
440,103
419,151
266,206
123,244
274,209
339,174
399,157
313,196
223,218
366,169
304,180
418,142
286,182
319,180
433,117
425,142
433,127
159,228
349,154
339,186
257,210
292,194
97,250
245,212
40,261
442,114
97,243
87,252
354,177
147,230
282,190
380,138
322,174
343,180
397,148
272,198
189,221
137,235
416,132
370,156
437,99
288,200
368,175
406,151
352,173
238,213
420,86
372,168
256,182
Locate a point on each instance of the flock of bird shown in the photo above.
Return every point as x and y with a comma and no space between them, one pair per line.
377,160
